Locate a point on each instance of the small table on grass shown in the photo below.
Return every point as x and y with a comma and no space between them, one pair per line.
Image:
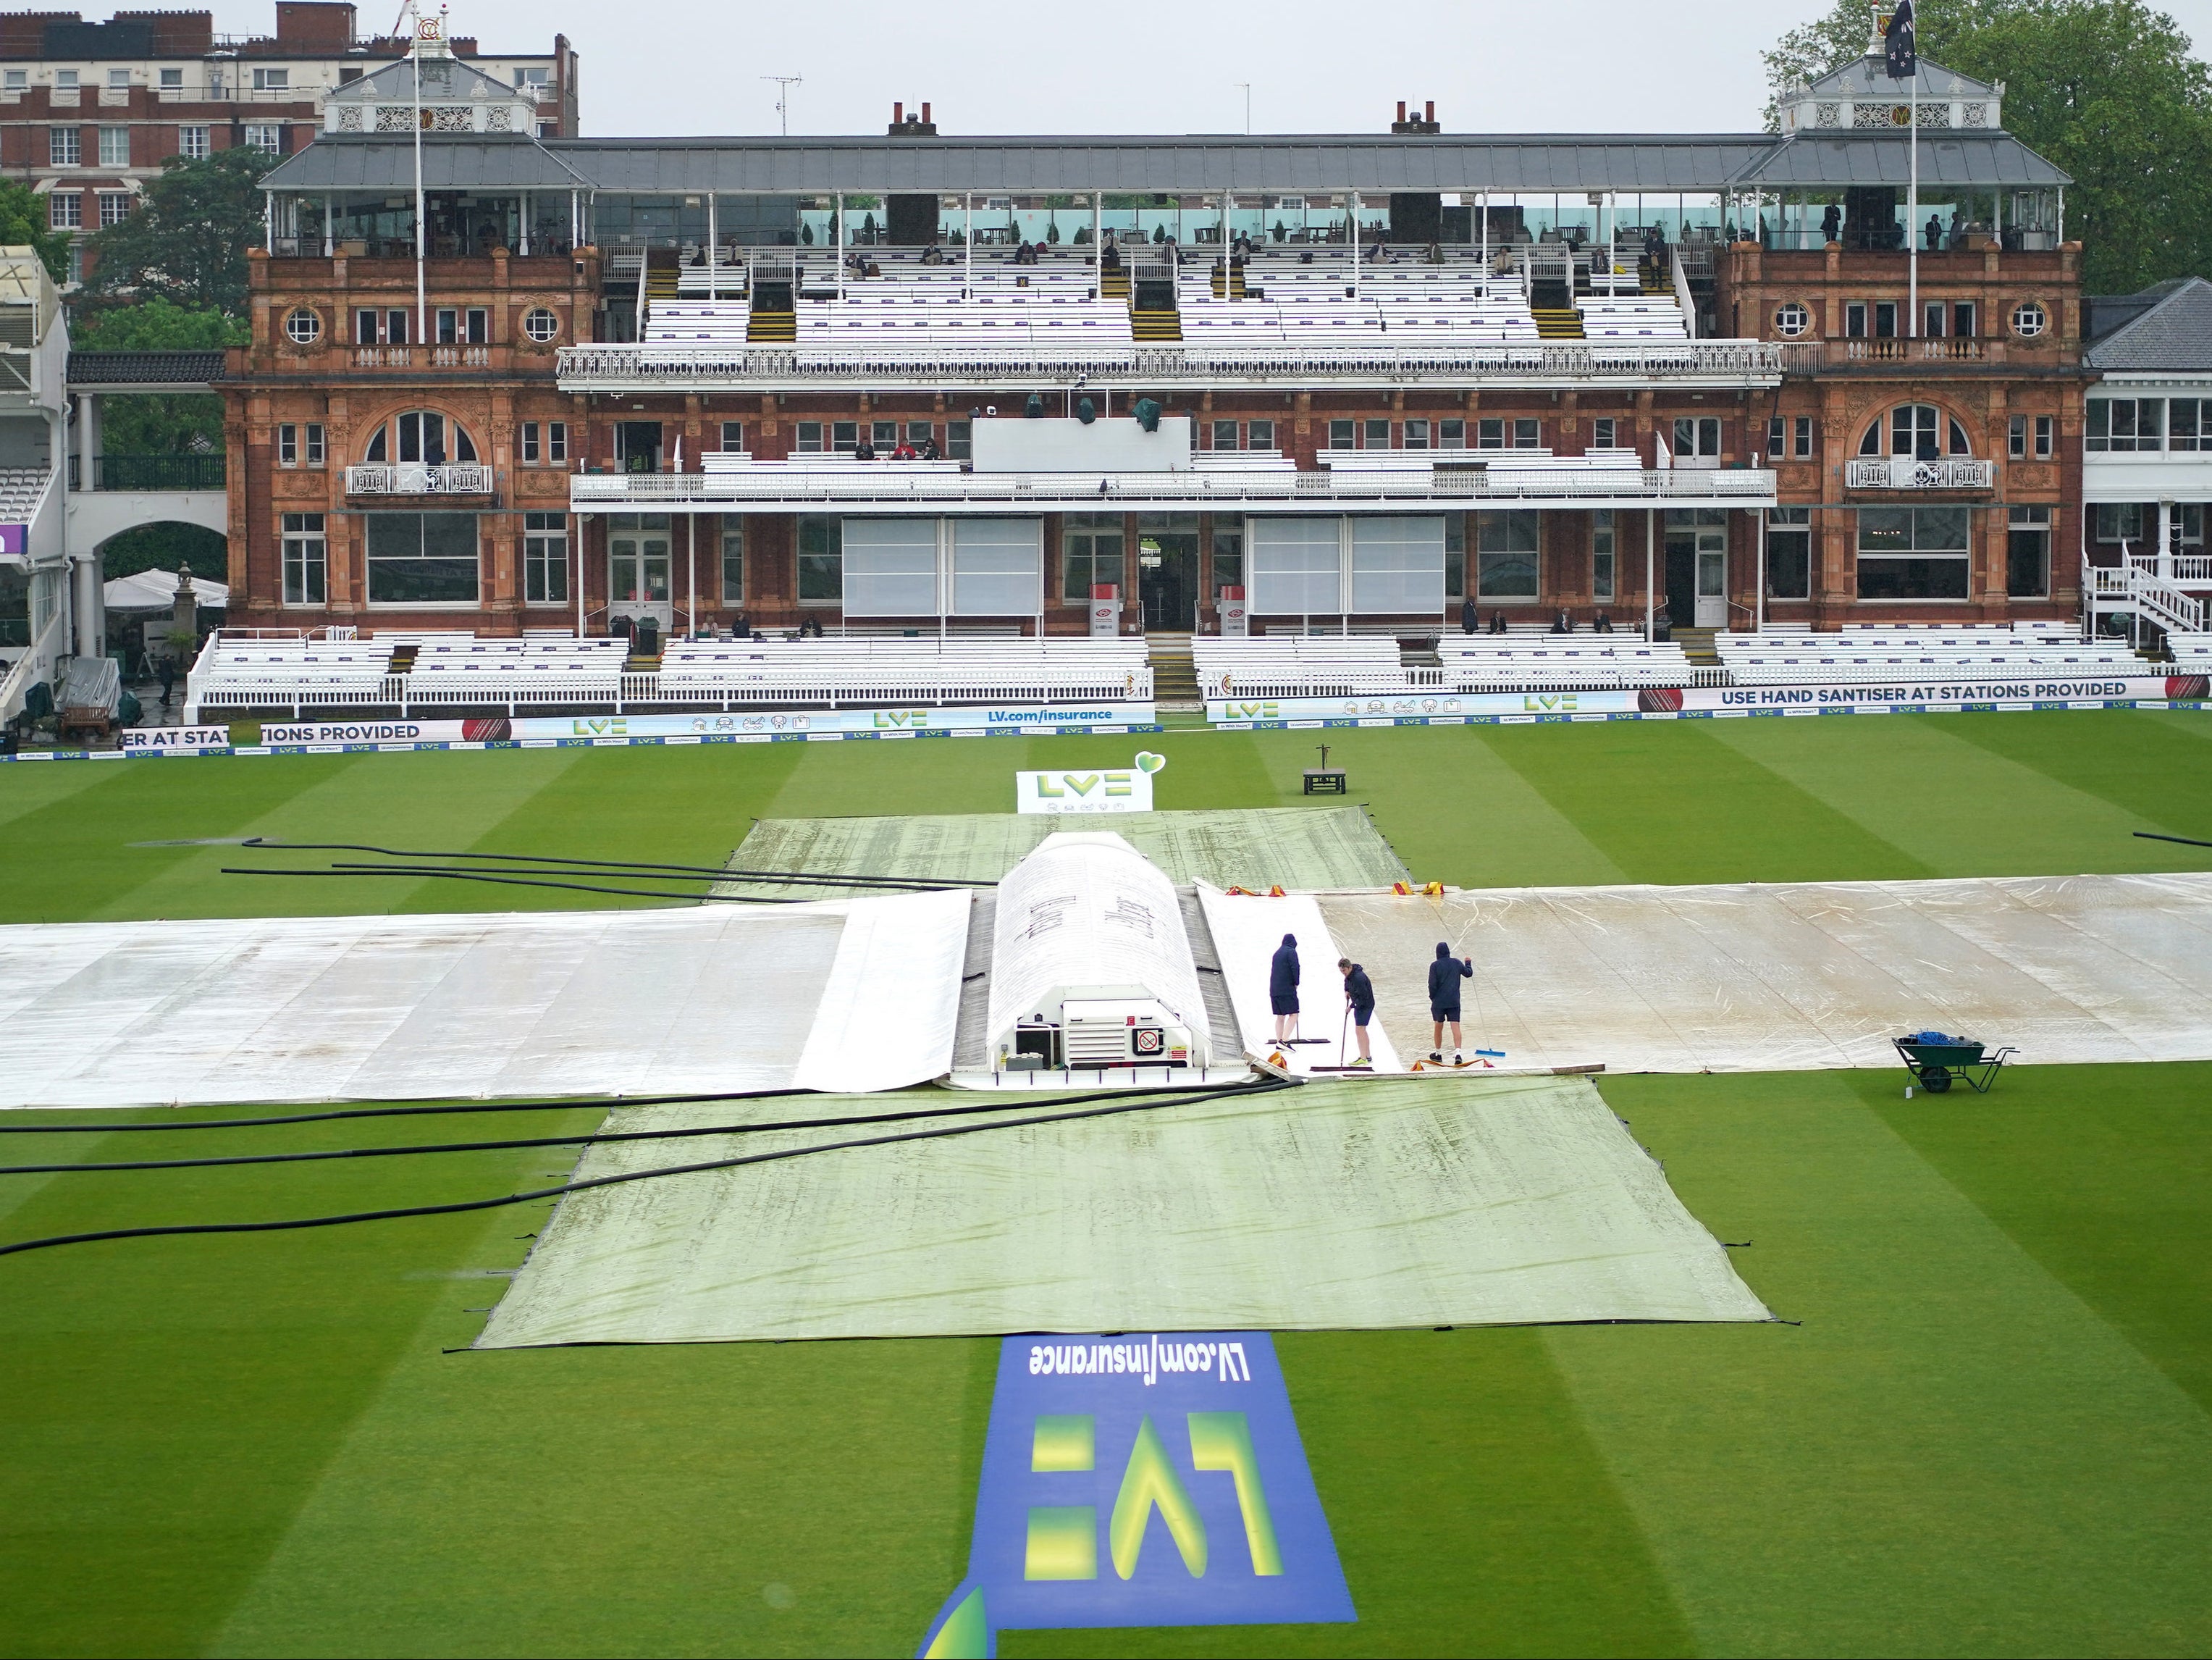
1324,779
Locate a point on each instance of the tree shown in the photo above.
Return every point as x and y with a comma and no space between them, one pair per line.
159,423
2105,89
187,242
23,223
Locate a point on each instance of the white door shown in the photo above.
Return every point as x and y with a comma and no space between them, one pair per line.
637,578
1712,578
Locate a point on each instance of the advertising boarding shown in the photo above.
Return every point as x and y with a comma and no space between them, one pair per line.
1151,1479
1092,790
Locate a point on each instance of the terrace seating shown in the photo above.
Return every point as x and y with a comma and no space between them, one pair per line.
1297,665
2192,652
20,491
1517,662
251,673
1865,654
1644,316
872,669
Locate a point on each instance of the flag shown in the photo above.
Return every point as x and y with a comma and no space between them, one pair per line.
1903,55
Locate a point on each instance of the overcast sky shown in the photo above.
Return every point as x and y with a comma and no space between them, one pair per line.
674,67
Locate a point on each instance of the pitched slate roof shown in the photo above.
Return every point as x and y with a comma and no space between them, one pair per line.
125,368
2174,333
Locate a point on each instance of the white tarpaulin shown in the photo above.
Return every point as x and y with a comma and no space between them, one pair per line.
847,994
1787,976
157,590
1246,929
1376,1204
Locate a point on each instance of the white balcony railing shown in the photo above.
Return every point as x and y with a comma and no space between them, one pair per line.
415,478
1902,472
892,487
742,366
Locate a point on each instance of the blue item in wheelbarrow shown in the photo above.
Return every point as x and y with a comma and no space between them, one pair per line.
1934,1060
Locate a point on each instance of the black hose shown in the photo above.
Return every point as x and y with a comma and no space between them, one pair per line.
1260,1087
618,864
561,1105
588,1138
2187,841
646,874
518,882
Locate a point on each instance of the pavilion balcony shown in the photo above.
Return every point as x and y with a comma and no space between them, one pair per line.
1902,472
418,478
1722,364
891,487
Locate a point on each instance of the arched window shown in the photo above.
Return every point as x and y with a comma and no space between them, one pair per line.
422,435
1912,432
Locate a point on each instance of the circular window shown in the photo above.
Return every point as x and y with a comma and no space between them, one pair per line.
303,327
2029,319
1792,319
540,325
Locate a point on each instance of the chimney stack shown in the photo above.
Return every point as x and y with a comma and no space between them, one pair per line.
904,125
1409,123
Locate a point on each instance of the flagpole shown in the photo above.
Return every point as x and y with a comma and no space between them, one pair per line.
1912,209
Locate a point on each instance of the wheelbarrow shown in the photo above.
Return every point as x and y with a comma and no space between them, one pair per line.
1934,1060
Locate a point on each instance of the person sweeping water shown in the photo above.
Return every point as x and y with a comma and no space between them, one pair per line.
1283,987
1445,975
1359,1003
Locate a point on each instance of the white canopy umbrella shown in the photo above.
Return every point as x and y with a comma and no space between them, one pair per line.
157,590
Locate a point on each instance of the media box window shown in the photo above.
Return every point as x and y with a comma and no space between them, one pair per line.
1913,553
820,562
422,558
2027,554
545,559
306,553
1789,553
733,561
1091,552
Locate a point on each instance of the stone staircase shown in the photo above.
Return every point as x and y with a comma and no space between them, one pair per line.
1174,677
1696,645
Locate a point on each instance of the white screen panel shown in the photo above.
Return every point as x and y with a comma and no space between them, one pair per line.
998,567
1398,563
891,568
1294,567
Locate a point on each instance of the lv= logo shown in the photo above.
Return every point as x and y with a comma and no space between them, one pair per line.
1134,1481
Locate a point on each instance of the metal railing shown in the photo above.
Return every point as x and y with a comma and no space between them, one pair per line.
418,478
1949,348
1901,472
890,482
649,367
154,473
416,357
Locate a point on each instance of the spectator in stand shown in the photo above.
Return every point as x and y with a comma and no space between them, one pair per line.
1934,232
904,452
1467,615
168,676
864,451
1832,224
929,449
932,255
811,628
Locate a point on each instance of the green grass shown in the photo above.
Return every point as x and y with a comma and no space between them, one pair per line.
1989,1434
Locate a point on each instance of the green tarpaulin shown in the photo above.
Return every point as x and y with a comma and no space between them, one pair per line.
1253,847
1378,1203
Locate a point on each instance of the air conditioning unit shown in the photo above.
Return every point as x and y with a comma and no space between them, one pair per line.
1118,1032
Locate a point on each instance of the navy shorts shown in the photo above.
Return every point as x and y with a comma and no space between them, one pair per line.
1283,1003
1440,1012
1360,1017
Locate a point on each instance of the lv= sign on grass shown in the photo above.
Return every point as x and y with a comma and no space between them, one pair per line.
1141,1480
